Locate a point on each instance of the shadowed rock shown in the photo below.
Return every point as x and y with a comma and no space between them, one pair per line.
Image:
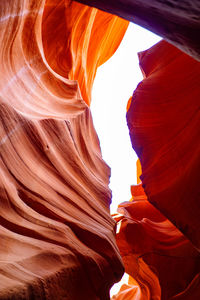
176,21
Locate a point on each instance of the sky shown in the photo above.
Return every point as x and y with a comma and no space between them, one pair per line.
113,86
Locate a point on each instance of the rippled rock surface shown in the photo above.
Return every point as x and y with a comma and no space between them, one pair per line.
159,228
57,236
164,122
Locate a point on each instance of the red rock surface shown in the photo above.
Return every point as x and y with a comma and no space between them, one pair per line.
164,123
161,262
163,119
57,236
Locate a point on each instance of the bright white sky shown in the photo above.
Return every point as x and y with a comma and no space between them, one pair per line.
113,86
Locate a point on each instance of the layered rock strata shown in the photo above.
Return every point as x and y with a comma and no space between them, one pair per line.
57,236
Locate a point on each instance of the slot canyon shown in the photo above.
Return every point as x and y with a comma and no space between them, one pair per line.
58,238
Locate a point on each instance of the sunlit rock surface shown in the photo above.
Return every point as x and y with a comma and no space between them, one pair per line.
57,236
83,39
176,21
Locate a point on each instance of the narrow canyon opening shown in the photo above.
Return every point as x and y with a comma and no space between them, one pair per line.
114,84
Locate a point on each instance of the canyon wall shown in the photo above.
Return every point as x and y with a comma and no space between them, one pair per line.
57,235
162,256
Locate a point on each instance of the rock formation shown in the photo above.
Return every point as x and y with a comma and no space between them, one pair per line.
57,235
161,262
82,40
162,258
163,121
176,21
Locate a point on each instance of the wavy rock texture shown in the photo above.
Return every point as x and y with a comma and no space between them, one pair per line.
161,262
83,39
57,236
176,21
163,119
164,123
